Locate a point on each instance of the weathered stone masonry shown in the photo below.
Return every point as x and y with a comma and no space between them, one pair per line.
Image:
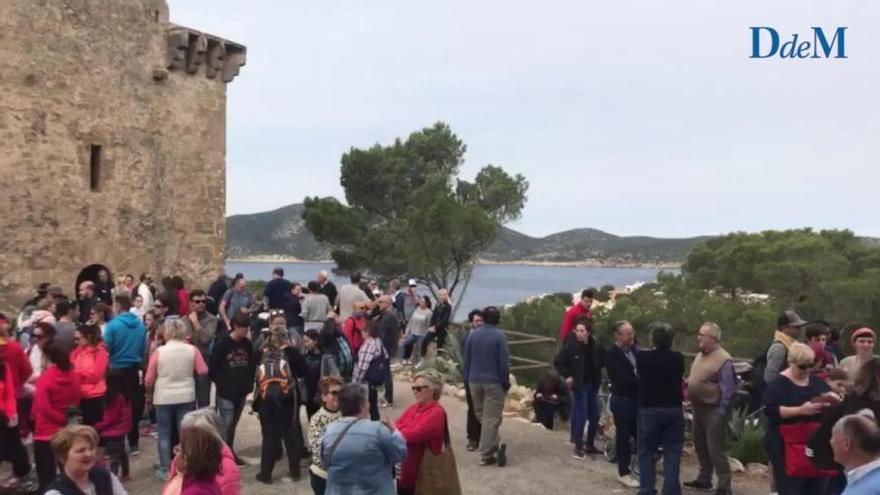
112,143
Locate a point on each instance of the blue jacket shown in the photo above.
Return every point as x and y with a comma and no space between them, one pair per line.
363,462
868,484
486,357
125,338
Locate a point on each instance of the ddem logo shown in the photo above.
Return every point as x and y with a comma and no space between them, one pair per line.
767,45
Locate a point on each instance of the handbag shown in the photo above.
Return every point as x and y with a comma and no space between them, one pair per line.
797,463
377,370
438,474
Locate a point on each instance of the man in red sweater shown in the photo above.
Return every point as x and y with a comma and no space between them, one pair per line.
577,311
17,365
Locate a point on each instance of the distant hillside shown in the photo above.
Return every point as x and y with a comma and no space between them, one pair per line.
282,233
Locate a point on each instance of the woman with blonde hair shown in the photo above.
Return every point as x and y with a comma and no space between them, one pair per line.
76,449
170,377
424,428
794,404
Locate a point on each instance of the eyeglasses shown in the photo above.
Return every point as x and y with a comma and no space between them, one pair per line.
805,366
158,305
418,388
334,392
199,301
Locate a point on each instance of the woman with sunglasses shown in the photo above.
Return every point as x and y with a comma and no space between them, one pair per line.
794,404
423,426
329,412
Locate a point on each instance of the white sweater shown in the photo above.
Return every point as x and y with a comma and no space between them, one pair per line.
174,374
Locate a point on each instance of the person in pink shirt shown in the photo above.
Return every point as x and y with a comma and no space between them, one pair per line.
90,360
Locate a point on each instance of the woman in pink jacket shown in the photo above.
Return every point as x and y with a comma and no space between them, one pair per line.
229,478
90,360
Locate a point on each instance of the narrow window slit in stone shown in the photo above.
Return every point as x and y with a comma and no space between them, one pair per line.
95,156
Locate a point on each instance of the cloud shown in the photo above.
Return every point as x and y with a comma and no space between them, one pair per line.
633,117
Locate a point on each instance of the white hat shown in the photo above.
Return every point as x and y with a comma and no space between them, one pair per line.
412,282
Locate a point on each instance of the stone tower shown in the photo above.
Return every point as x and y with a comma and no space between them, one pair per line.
112,143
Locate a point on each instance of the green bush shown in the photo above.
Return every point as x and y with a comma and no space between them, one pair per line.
746,438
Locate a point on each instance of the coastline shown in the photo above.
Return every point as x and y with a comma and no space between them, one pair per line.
589,263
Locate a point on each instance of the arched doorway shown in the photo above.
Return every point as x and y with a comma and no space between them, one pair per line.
91,273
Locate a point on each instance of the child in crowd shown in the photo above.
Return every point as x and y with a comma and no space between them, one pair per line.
839,382
115,424
548,399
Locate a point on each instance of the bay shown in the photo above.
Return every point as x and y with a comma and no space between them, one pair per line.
490,284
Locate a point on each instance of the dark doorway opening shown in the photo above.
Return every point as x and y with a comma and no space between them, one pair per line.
91,273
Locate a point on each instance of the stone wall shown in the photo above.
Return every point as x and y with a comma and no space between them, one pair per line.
115,74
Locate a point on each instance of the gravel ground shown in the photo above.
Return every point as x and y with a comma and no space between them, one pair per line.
539,462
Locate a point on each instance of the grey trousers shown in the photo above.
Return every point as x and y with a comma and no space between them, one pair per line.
488,407
710,442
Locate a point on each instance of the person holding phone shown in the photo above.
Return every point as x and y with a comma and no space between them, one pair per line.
794,404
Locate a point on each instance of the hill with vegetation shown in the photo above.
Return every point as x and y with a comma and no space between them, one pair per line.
282,233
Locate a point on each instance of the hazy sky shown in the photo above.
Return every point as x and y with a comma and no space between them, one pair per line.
632,117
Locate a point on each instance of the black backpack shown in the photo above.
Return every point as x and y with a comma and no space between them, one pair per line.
276,382
756,376
377,370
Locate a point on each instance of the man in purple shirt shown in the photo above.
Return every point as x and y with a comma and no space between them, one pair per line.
711,389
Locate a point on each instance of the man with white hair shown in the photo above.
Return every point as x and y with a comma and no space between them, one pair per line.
327,287
711,389
855,440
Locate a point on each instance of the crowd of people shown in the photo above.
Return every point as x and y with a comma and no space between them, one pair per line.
819,407
85,379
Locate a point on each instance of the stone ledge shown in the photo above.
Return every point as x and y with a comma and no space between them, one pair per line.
188,50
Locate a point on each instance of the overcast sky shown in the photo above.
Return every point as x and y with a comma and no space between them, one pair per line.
631,117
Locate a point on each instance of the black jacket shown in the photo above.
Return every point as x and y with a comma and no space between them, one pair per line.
820,442
582,362
312,375
389,330
441,315
621,373
661,375
277,291
330,291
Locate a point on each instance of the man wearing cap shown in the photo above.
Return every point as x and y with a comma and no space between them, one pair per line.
788,326
863,340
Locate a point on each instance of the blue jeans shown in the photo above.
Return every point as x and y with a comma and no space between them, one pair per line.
409,342
168,417
660,426
230,412
584,407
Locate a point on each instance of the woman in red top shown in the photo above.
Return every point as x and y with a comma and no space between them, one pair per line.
10,436
423,426
57,391
90,360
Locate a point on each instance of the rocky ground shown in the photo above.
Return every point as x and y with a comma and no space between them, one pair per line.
539,461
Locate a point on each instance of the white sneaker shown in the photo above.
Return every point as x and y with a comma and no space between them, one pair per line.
628,481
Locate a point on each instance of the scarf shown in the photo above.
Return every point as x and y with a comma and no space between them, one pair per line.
784,338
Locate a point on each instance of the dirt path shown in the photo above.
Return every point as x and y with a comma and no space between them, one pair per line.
539,462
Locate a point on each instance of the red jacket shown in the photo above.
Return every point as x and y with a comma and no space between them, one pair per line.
352,329
573,314
117,419
8,405
17,364
421,426
56,392
91,365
